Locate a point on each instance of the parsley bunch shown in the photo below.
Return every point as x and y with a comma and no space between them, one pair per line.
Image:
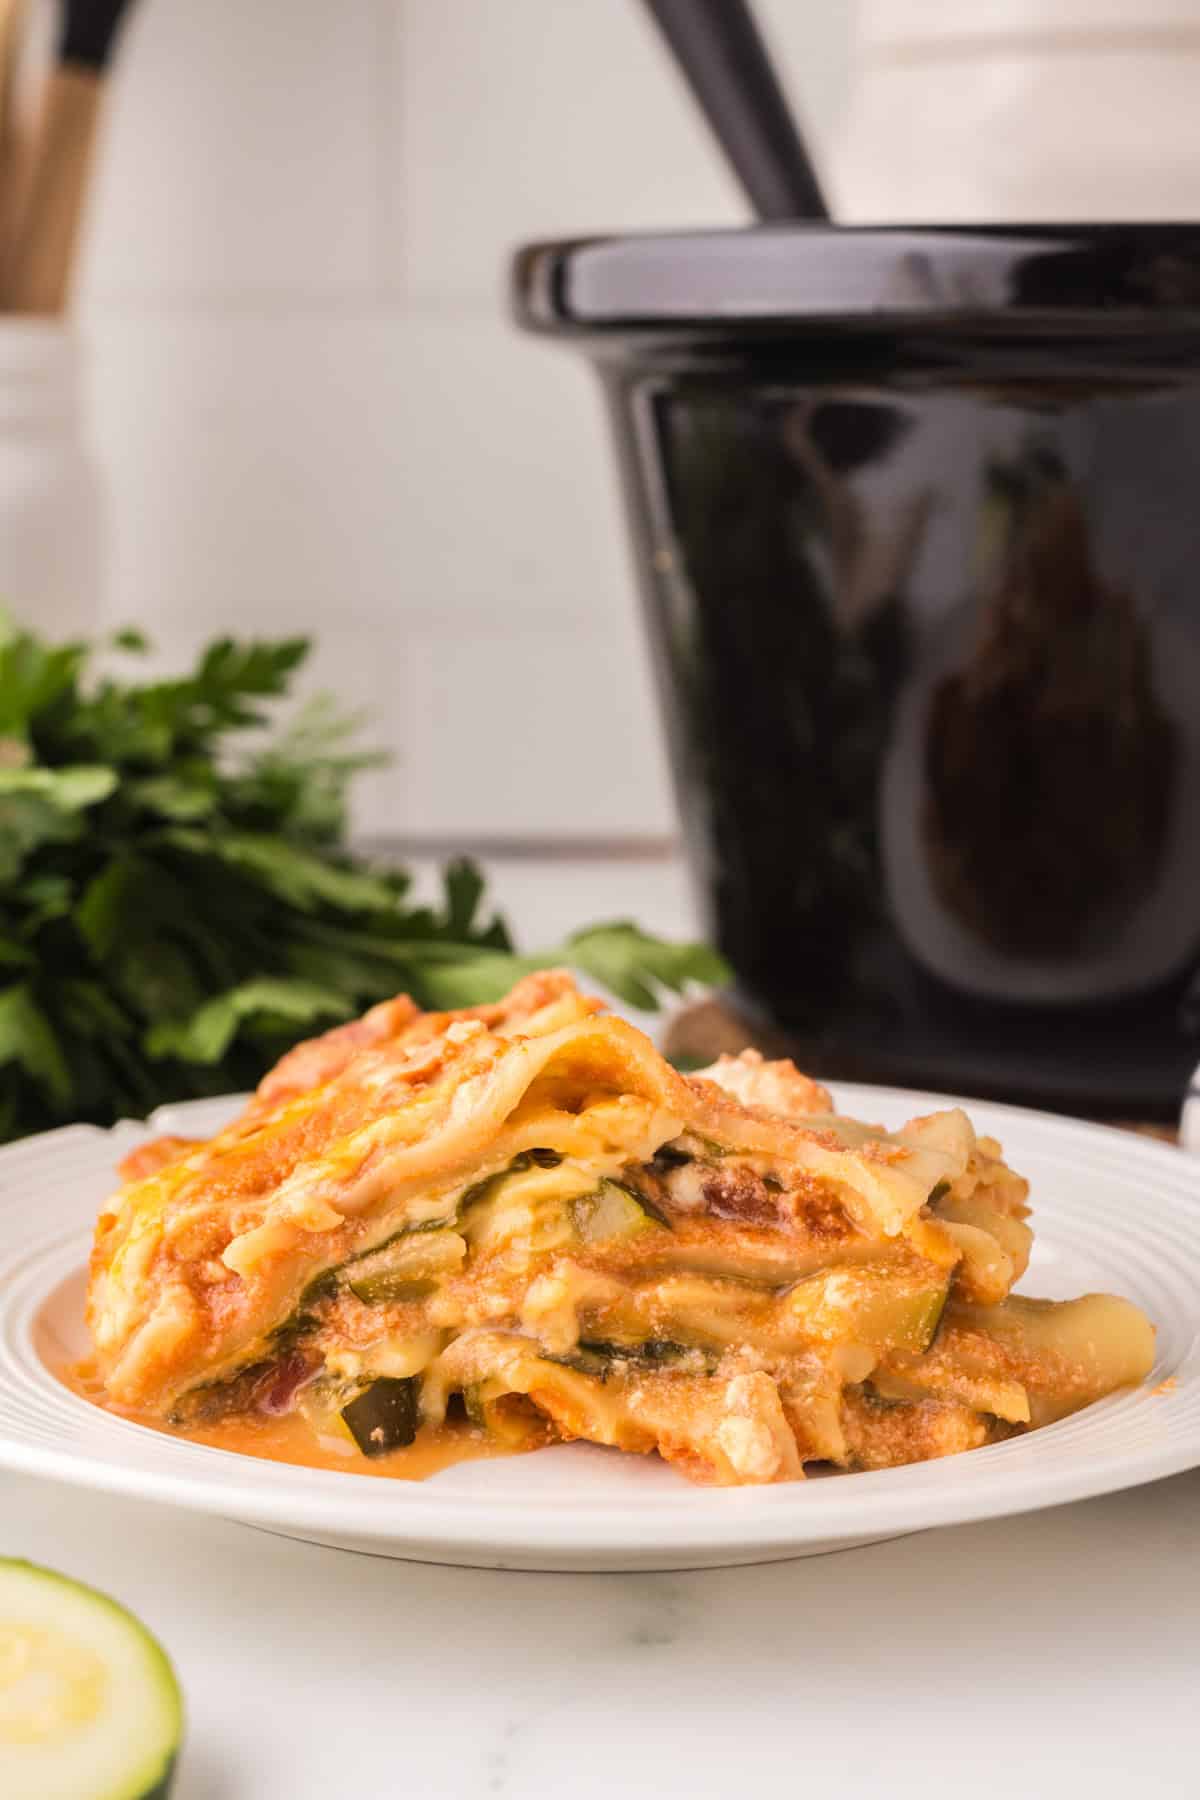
177,901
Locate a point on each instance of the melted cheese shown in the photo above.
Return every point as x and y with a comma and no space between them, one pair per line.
478,1201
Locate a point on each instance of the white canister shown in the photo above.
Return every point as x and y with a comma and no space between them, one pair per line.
1021,110
52,513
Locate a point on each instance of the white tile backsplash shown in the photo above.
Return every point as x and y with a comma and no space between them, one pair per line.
535,118
355,468
312,412
434,503
1018,118
236,456
552,721
507,503
240,152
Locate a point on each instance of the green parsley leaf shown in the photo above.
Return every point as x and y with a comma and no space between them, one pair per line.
28,1038
635,967
205,1036
178,900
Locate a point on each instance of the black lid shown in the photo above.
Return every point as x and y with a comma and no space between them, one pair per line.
1058,277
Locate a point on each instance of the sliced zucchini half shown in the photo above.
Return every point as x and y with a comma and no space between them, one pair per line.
89,1705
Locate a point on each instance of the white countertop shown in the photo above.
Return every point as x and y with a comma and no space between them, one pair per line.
1039,1656
1048,1655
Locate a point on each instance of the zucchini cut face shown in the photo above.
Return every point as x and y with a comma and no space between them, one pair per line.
90,1708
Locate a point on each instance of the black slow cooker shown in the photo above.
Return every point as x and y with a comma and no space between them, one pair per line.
916,518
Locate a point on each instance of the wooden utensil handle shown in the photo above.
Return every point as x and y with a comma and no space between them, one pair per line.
38,275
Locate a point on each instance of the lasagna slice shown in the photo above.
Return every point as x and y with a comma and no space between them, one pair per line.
518,1224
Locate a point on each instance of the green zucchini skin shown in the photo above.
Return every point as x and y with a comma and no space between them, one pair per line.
385,1416
647,1205
524,1159
666,1158
127,1747
601,1358
161,1789
383,1290
654,1352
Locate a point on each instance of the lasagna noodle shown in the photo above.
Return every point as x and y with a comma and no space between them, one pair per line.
525,1209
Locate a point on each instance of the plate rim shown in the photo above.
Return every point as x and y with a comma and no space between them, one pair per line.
731,1524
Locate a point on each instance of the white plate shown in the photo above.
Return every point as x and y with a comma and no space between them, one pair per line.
1112,1211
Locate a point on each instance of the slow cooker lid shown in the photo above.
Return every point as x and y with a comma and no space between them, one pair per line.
1126,276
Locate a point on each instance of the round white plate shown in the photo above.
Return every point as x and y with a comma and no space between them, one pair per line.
1112,1211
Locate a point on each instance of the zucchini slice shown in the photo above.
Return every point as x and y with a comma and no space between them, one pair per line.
872,1304
613,1210
407,1269
89,1705
509,1419
385,1416
602,1358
